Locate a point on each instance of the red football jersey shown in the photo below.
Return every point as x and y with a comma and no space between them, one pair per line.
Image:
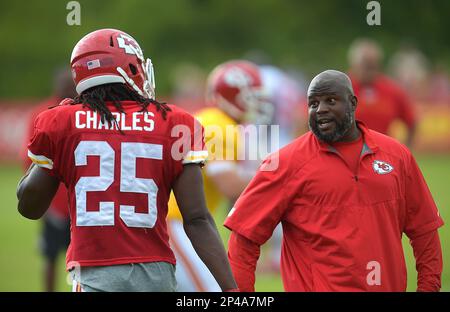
381,103
59,204
118,183
341,230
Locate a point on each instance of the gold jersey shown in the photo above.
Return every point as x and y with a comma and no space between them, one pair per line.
221,139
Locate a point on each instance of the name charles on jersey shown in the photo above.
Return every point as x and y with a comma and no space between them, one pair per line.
242,142
136,121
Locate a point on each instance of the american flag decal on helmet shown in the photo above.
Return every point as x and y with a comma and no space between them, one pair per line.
93,64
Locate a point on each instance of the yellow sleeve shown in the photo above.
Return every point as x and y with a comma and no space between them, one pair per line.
174,211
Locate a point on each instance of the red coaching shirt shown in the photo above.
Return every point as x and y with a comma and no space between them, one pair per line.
118,184
381,103
338,226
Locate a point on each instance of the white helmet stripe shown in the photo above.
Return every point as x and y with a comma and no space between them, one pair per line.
96,81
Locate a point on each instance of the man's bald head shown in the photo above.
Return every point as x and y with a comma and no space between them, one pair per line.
331,107
330,81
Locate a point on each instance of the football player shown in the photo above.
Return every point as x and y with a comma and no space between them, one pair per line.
120,152
236,92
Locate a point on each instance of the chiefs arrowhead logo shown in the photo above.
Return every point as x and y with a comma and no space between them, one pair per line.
382,167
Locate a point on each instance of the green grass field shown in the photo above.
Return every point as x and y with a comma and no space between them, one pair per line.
21,264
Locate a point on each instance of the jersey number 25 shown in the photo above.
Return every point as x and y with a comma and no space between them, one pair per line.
128,183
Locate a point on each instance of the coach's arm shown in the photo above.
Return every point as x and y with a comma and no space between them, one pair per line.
35,192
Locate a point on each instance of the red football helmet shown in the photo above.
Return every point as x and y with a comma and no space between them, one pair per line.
108,56
236,87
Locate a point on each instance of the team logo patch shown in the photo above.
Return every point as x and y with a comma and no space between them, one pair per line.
382,167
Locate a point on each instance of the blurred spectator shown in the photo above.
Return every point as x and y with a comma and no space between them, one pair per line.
380,100
410,68
439,87
424,82
55,231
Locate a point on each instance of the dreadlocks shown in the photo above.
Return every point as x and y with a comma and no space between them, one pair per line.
95,98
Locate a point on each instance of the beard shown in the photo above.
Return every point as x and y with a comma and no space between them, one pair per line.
341,129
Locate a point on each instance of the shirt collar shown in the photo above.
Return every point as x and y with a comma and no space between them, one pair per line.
369,145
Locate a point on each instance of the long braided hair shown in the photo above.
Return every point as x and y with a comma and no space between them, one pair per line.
95,98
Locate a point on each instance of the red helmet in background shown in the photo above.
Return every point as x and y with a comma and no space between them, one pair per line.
111,56
236,87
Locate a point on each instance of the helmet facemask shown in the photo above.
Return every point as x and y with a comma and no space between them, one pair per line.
149,81
259,110
148,85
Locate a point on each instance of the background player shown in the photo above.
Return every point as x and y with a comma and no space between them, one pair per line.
237,95
114,147
381,100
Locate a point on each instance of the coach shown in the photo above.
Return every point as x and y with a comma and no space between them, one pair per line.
344,194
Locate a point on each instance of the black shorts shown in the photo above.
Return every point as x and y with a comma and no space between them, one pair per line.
55,236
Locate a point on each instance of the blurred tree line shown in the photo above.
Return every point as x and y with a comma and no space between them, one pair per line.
307,35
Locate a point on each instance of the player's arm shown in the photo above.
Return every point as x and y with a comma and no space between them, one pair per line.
35,192
200,227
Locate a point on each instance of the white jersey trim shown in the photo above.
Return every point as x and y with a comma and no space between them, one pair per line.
98,80
195,157
40,160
